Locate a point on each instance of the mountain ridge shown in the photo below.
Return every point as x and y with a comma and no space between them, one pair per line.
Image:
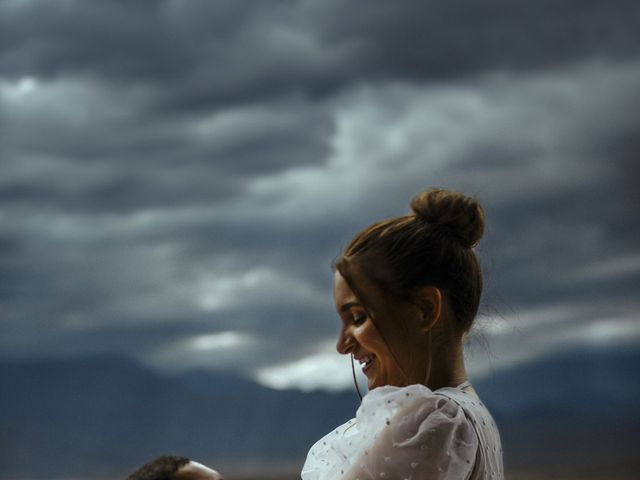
80,416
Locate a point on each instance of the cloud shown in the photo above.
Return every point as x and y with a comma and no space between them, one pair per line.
218,350
93,150
175,171
194,55
323,369
505,342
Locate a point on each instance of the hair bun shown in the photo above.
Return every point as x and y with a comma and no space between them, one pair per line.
460,215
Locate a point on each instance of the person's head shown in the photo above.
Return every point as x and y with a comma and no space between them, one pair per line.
408,288
172,467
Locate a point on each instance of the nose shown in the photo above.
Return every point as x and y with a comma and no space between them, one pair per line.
345,342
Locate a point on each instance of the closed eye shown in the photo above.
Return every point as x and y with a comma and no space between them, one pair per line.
359,320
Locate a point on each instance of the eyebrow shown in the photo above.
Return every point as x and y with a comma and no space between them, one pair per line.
347,306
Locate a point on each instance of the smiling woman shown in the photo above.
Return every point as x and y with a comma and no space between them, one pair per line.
407,291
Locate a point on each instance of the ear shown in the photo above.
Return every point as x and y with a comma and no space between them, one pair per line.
430,304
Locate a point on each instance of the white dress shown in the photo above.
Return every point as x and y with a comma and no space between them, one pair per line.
411,433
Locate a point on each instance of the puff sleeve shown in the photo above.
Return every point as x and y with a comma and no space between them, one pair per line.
399,433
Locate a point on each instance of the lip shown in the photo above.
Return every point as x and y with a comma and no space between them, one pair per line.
369,365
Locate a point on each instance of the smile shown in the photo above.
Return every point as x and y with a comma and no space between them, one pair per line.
366,361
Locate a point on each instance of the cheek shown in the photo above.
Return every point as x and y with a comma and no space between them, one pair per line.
396,357
374,343
370,339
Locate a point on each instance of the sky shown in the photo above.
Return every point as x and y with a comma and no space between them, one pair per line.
176,176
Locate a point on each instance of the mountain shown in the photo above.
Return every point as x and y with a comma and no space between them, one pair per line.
577,407
102,416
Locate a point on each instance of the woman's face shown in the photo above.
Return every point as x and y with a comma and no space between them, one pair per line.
401,359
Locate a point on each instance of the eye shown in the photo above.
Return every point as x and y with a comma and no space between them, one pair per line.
359,319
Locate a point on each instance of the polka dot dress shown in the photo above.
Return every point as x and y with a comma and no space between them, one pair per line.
411,433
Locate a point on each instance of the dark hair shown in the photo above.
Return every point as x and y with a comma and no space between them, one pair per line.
432,246
161,468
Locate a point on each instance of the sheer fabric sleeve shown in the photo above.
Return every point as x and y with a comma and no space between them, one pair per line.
428,439
408,433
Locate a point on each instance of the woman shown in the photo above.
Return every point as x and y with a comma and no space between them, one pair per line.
407,291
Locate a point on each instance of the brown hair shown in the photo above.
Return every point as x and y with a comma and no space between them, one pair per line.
432,246
161,468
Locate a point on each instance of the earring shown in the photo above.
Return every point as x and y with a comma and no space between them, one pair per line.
355,380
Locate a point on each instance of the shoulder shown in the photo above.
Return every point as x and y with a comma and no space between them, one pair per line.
414,403
420,433
414,416
401,433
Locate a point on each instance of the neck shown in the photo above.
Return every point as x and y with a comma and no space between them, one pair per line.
448,370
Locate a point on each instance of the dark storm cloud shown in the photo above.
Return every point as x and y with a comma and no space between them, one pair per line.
122,40
120,162
178,175
575,199
423,40
197,54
